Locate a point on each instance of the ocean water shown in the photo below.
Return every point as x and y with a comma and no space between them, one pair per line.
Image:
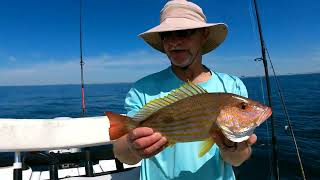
302,98
301,93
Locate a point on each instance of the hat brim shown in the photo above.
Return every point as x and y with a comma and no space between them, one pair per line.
217,33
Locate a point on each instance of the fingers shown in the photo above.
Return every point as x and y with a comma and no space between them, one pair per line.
252,139
153,149
144,142
227,145
248,143
140,132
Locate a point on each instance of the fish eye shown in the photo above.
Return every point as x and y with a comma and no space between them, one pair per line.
243,106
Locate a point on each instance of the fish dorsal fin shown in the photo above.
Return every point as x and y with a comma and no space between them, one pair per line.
186,90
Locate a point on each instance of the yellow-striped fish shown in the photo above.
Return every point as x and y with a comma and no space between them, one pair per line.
190,113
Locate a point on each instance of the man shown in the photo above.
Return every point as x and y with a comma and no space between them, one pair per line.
184,36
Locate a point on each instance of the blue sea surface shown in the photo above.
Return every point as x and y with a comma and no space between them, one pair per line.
301,93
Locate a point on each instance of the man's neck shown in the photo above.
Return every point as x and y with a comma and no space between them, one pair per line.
195,73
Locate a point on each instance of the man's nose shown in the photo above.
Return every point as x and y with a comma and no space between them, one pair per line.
174,40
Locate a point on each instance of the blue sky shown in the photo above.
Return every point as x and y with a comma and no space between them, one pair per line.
39,40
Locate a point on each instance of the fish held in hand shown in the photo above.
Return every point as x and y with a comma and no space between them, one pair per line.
190,113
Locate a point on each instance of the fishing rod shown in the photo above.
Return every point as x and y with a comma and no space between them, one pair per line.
275,161
303,175
88,162
288,119
82,64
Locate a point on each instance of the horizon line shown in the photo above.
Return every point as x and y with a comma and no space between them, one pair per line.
104,83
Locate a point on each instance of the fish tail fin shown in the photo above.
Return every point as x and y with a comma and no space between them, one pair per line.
119,125
205,146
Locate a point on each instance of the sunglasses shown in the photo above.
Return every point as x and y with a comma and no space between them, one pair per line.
179,33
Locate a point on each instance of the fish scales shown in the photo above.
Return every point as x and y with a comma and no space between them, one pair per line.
186,120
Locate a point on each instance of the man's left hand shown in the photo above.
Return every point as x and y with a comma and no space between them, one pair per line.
232,152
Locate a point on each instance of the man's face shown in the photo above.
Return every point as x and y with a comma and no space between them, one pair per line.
183,46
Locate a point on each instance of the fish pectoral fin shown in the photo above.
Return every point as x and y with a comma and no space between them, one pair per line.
205,146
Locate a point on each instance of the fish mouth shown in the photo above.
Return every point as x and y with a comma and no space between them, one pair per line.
265,115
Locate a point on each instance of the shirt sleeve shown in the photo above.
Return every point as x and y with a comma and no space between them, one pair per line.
133,102
241,88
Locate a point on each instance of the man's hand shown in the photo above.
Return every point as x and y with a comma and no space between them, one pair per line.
139,143
144,142
232,152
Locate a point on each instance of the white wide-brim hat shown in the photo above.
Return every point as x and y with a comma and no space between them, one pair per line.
182,15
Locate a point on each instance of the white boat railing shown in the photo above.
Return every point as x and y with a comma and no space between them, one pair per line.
43,143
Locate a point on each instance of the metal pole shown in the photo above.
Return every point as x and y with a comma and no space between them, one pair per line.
264,60
17,166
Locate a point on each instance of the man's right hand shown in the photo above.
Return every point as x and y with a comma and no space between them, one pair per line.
139,143
144,142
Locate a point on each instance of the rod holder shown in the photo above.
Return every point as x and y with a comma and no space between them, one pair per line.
17,166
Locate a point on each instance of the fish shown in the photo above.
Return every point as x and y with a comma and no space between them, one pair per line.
190,113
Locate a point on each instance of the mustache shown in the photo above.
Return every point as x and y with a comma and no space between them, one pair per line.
176,48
